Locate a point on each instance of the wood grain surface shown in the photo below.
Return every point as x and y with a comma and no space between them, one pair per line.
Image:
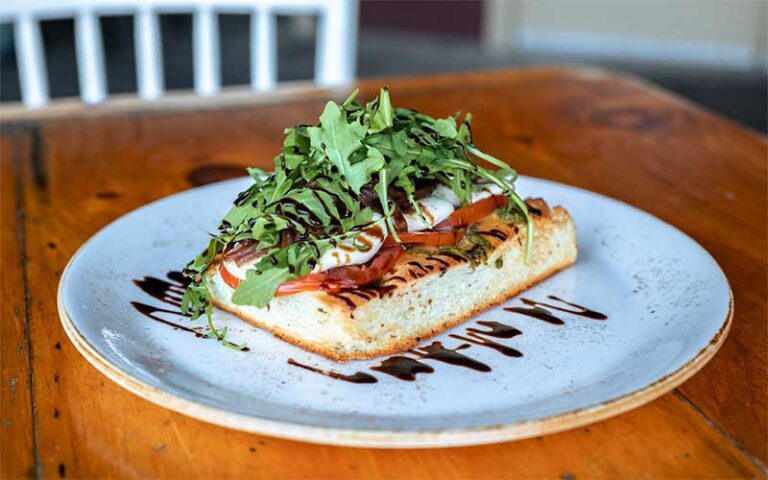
64,178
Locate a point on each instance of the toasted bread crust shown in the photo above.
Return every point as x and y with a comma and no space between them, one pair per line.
357,324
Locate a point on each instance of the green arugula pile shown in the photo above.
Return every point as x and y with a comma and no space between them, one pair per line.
314,191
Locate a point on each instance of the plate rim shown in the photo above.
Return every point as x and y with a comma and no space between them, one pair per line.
427,438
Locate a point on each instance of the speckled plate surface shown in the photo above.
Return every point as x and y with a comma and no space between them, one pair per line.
668,308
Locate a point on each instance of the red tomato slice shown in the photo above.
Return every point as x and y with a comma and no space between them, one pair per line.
227,276
472,213
370,272
434,239
333,280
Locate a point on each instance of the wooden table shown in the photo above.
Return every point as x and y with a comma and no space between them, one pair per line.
66,176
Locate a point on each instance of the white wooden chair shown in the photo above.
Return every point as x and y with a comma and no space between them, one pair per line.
334,65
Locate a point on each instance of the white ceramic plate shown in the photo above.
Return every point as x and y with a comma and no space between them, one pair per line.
668,306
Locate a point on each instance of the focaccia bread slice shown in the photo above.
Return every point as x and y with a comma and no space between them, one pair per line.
426,292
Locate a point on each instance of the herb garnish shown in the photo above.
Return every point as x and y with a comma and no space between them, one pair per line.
313,197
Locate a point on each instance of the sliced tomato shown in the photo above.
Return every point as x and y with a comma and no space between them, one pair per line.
227,276
470,214
371,271
333,280
432,238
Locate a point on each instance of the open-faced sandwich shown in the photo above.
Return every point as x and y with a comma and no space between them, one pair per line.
378,228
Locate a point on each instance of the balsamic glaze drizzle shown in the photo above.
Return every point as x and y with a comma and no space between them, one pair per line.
536,312
151,312
171,289
163,290
497,330
358,377
169,292
581,311
476,339
436,351
494,232
352,305
403,368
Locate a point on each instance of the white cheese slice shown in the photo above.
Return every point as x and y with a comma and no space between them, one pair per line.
433,211
444,193
239,271
481,191
486,190
349,252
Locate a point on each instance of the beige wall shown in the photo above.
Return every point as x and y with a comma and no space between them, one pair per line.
714,27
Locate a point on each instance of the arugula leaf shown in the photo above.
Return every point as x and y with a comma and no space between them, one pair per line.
361,217
490,159
201,262
350,99
464,134
256,173
360,173
382,192
267,229
311,202
446,127
337,138
384,116
340,193
258,288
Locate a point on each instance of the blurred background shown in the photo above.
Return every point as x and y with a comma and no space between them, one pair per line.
714,52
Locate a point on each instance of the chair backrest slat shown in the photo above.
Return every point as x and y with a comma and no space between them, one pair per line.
205,32
263,50
335,52
90,57
149,69
336,40
29,54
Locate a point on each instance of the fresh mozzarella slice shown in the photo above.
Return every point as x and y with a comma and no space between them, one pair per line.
444,193
485,190
433,210
481,191
239,270
357,251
